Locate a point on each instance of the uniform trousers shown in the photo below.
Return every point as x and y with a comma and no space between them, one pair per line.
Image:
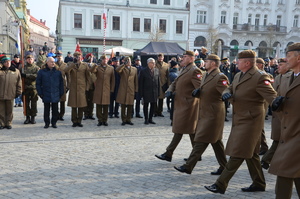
77,114
6,112
151,112
159,107
232,166
31,98
126,115
263,141
175,141
88,110
54,109
284,187
102,112
270,153
198,150
62,107
113,106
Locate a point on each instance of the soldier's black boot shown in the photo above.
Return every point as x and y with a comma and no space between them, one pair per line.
27,121
33,120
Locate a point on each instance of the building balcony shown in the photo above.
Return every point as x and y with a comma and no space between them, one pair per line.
260,28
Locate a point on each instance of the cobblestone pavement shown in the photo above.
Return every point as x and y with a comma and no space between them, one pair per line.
108,162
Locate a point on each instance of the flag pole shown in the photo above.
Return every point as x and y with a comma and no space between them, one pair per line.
104,28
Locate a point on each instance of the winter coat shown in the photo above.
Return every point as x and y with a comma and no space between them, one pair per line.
149,85
10,83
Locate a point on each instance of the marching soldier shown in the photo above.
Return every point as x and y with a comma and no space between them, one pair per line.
247,93
78,73
104,86
185,106
211,116
61,66
163,68
10,87
29,73
286,160
128,87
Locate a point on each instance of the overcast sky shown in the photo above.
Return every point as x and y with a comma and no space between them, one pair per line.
46,10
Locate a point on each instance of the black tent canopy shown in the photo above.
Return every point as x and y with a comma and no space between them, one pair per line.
167,48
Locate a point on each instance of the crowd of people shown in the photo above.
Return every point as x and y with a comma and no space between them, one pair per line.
198,92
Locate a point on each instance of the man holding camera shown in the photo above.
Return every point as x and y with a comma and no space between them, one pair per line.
78,73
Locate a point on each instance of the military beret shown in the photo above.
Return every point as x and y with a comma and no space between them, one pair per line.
160,55
76,54
225,59
29,56
103,57
281,60
114,59
246,54
293,47
198,61
189,52
173,63
260,61
213,57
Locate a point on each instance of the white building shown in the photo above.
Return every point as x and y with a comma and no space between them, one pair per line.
266,26
130,24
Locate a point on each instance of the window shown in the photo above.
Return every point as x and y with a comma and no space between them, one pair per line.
163,25
249,18
97,21
296,19
259,1
136,24
223,17
278,21
17,3
280,1
153,1
179,27
265,20
298,2
267,2
116,23
166,2
257,16
147,25
77,20
201,16
235,18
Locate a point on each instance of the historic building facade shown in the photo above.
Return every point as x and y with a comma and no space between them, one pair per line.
131,24
226,27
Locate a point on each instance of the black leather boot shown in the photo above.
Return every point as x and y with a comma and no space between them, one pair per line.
33,120
27,121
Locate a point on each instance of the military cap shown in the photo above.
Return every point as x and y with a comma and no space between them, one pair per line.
266,59
137,58
69,52
76,54
213,57
189,52
281,60
225,59
103,57
29,56
260,61
40,50
198,60
16,56
114,59
246,54
160,55
271,58
293,47
173,63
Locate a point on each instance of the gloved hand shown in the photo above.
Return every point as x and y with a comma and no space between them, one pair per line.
168,93
277,102
23,75
196,92
226,96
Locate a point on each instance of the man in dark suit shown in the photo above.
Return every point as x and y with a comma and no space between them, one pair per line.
149,89
248,91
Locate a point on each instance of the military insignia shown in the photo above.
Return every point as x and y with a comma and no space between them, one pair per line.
272,80
267,82
224,82
199,75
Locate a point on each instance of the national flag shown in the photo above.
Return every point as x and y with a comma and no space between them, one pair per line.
77,47
104,15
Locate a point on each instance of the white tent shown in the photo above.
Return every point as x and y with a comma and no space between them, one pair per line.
121,50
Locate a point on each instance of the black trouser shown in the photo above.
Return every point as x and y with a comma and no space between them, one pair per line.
168,101
88,110
54,110
151,112
172,107
62,109
113,106
159,107
137,107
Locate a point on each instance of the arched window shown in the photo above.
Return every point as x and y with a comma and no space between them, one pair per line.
262,49
200,41
234,48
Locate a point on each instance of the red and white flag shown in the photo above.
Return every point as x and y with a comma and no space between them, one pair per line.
77,47
104,15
